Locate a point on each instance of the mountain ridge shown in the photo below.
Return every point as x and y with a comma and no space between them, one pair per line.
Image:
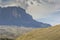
18,16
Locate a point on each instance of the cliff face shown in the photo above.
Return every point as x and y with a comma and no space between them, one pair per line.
17,16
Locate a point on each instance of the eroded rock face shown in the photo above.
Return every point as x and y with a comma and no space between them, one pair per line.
17,16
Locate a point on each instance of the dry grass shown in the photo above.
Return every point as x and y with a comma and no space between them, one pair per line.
52,33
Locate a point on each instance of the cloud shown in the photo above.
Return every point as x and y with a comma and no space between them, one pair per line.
6,3
22,2
43,8
39,11
39,8
53,19
52,3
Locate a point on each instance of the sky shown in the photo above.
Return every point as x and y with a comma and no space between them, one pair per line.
46,7
39,9
53,19
47,12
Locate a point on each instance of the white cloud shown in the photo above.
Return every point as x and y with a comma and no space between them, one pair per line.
50,3
53,19
39,9
6,3
43,8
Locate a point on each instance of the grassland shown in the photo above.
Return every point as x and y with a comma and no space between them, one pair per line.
51,33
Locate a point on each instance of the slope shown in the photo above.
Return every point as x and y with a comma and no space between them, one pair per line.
52,33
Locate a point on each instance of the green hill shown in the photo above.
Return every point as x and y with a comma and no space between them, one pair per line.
51,33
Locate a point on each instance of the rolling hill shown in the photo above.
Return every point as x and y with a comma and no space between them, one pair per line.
51,33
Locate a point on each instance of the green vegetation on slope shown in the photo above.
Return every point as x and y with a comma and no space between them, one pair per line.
51,33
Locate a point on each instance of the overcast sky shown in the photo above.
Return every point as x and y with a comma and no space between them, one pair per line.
45,8
53,19
38,8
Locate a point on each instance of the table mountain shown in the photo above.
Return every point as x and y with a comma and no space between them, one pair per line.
18,16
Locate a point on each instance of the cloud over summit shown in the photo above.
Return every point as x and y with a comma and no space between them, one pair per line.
24,2
45,6
6,3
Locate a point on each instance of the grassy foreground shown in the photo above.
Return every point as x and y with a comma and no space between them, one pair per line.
52,33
